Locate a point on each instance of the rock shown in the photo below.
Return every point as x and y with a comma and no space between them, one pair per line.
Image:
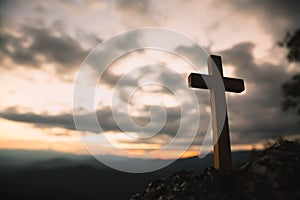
272,174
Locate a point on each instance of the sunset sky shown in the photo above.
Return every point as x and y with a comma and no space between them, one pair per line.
43,44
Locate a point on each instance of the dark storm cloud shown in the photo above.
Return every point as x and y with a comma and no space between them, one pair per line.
105,119
172,122
264,75
173,79
137,13
257,115
137,6
38,45
110,79
3,4
105,54
276,16
32,43
63,120
275,9
195,54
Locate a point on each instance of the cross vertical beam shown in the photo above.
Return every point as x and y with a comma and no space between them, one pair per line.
215,82
222,149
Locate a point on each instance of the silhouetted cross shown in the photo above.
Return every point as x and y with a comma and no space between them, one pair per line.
221,138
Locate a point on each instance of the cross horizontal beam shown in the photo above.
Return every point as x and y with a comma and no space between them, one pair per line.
230,84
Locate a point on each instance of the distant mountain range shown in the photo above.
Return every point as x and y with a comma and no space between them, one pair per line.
52,175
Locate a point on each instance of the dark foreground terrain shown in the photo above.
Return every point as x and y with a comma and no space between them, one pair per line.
272,174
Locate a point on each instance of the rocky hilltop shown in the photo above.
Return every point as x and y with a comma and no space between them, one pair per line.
272,174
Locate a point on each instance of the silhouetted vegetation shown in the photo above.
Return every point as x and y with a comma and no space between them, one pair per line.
292,43
291,89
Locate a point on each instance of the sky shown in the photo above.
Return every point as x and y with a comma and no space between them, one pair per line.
44,43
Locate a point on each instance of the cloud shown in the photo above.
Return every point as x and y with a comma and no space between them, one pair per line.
276,16
38,45
137,13
105,118
141,6
254,116
62,121
257,115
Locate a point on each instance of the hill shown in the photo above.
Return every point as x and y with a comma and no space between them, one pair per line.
272,174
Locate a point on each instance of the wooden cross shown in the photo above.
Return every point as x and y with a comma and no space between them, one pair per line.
221,138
